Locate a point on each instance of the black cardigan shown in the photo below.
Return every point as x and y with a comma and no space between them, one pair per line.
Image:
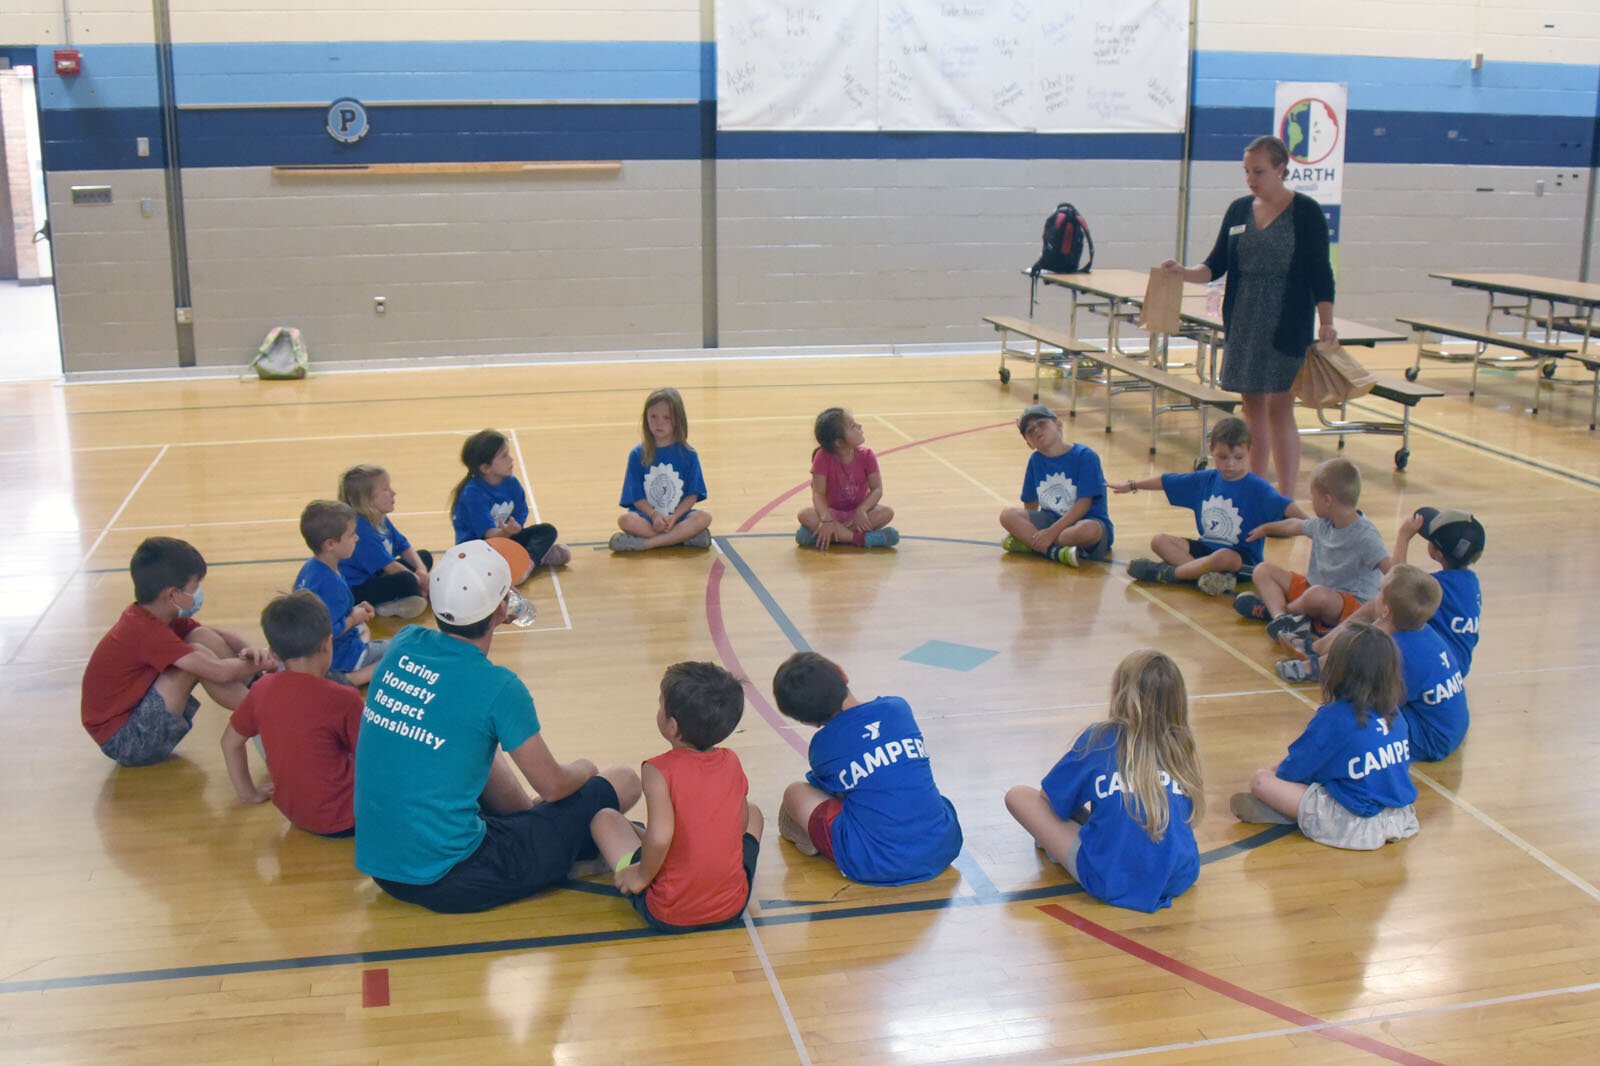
1310,273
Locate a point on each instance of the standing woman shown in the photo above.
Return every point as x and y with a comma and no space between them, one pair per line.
1273,249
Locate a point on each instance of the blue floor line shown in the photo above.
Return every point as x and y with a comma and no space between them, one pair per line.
790,630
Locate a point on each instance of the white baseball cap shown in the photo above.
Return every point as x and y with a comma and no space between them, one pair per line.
468,583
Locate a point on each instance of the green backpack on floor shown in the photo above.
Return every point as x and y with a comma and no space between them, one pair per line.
282,356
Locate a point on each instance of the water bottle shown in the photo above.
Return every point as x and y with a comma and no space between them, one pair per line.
523,612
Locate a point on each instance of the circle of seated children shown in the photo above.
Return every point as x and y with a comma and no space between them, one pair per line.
1389,643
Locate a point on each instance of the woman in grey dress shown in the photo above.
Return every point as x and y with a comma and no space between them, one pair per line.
1273,249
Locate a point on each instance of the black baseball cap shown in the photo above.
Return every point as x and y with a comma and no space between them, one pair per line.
1458,536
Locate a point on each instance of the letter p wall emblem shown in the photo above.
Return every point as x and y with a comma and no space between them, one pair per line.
347,121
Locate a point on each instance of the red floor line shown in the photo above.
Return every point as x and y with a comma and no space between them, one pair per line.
730,659
1232,991
375,988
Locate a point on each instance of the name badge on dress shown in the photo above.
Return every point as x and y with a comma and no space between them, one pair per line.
1236,230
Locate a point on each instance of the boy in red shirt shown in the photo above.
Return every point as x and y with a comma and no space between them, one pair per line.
693,865
307,724
138,687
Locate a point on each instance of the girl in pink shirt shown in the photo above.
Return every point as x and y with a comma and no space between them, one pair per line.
845,489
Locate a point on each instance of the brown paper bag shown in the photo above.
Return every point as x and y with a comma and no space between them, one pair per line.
1163,296
1331,376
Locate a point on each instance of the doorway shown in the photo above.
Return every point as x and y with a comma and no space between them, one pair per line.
30,339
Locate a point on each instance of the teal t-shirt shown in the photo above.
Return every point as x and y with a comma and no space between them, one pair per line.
436,714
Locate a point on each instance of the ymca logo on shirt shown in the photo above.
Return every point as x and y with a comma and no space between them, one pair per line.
663,488
1220,521
1057,493
498,513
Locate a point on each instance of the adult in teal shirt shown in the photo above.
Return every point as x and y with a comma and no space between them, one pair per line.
442,818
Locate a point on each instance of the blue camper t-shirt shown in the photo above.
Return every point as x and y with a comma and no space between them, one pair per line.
482,507
374,551
1367,768
1435,698
1226,511
894,827
1118,863
334,592
1456,620
674,474
1056,483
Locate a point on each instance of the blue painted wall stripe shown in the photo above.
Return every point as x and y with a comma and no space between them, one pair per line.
374,72
1383,83
295,72
103,139
1417,137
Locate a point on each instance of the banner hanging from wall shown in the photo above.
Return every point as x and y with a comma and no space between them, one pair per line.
1006,66
1310,118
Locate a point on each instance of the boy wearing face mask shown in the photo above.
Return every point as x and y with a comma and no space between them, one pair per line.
138,687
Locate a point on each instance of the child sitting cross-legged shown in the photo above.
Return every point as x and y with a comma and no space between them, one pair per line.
1348,560
869,803
1346,780
1228,502
138,686
1063,516
329,530
692,864
307,724
1118,809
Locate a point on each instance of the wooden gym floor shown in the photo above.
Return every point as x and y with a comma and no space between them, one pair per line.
149,918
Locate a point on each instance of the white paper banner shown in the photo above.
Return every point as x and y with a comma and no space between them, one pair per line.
797,66
1054,66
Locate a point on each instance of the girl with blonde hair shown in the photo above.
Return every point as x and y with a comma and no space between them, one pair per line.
1118,809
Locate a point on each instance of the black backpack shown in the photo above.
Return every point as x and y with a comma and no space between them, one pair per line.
1066,235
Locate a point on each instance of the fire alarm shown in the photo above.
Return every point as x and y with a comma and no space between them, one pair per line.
68,61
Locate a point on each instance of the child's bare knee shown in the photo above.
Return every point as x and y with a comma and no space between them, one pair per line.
1260,780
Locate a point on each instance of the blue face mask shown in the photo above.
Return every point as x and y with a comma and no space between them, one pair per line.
189,611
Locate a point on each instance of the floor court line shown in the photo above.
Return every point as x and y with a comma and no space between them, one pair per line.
1493,825
1237,993
1292,1030
605,936
953,468
777,989
533,506
93,547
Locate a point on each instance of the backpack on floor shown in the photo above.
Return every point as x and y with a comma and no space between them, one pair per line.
282,356
1066,236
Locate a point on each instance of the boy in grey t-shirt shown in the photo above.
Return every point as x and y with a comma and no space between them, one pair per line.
1348,561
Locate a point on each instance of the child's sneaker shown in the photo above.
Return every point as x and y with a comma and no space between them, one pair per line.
795,833
1012,544
558,555
1216,582
701,539
1247,808
1250,606
1287,629
404,607
1067,555
1301,671
1152,570
887,537
804,538
626,542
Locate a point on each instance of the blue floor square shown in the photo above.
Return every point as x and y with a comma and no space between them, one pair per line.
949,656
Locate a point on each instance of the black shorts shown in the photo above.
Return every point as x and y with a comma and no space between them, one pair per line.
752,848
521,854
